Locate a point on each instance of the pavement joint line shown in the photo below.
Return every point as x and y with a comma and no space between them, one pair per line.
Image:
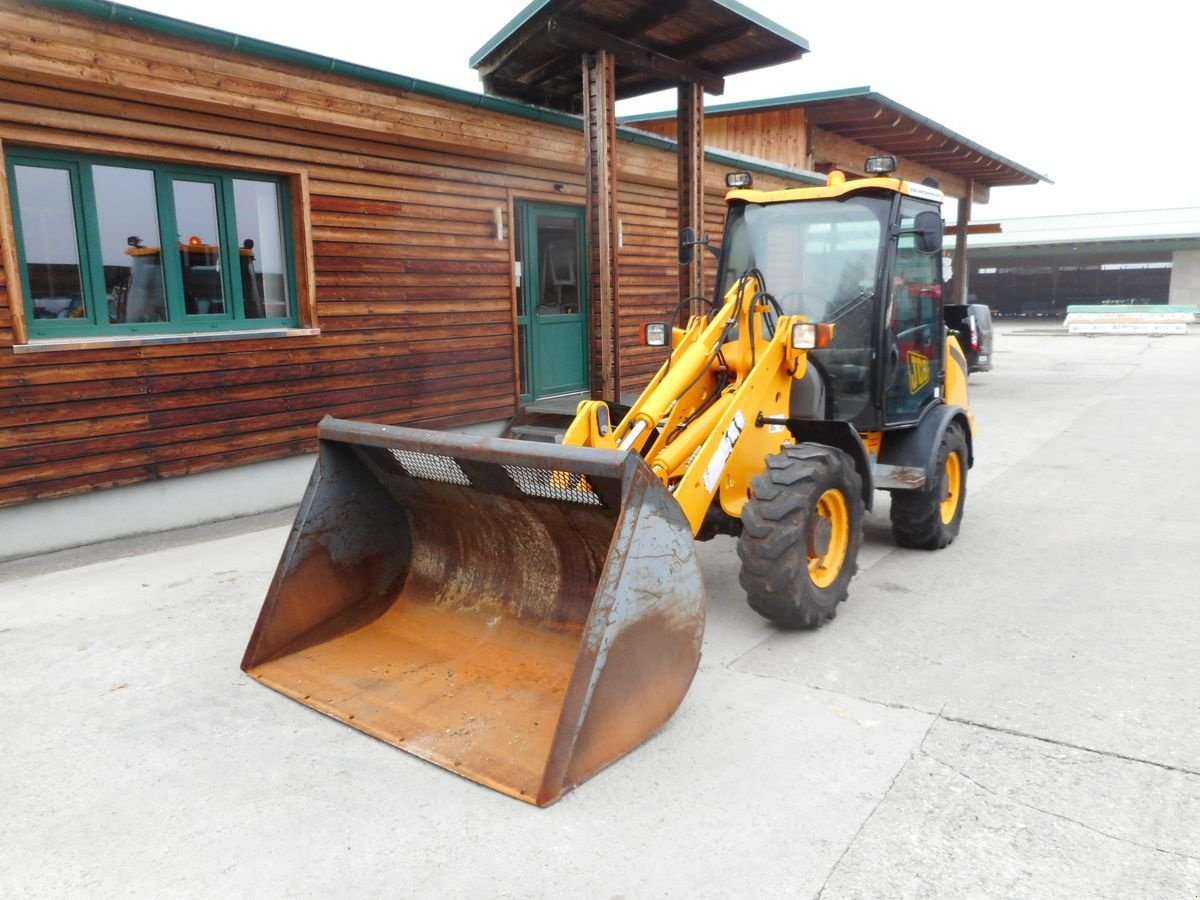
920,748
1110,754
1000,729
1051,813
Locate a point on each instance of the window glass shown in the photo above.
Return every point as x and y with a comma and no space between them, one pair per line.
111,247
199,246
127,213
260,240
558,253
819,259
50,242
915,323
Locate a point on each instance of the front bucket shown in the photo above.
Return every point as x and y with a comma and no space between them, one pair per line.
520,613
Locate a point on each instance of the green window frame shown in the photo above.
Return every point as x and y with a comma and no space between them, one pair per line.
92,310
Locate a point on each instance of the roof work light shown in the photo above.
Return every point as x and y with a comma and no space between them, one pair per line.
881,165
738,180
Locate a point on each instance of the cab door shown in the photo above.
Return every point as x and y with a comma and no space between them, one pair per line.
914,325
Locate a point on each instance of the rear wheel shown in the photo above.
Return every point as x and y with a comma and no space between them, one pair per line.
801,530
930,519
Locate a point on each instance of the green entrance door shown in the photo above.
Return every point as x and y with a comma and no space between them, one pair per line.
551,300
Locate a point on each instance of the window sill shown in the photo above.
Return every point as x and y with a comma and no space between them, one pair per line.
50,345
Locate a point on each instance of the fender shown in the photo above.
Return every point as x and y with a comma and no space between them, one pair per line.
916,447
841,435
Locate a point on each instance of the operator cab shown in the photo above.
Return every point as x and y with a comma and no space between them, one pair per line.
864,256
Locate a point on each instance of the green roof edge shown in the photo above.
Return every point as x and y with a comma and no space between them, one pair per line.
763,22
862,92
759,105
506,32
227,40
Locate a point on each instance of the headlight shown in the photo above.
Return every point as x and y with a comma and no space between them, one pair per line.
654,334
811,335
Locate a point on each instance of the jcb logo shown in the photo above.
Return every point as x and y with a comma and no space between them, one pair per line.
918,371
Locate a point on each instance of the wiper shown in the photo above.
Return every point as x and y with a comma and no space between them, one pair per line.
851,303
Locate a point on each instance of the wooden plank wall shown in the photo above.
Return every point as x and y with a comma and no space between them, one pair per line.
413,291
778,135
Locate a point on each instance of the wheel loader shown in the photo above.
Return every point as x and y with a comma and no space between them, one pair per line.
525,613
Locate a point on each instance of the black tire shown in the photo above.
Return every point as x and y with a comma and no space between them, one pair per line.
801,530
923,520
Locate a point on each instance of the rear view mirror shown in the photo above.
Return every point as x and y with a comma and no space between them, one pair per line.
687,245
928,232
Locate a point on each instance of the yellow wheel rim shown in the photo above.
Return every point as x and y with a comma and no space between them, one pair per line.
828,538
951,488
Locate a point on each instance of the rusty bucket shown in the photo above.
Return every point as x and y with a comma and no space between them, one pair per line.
522,614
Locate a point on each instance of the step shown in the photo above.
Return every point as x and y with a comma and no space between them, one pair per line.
563,405
547,434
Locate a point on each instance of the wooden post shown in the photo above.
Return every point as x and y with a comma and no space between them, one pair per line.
8,259
960,245
600,136
690,130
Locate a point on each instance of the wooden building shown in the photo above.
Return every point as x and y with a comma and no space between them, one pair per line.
396,244
406,254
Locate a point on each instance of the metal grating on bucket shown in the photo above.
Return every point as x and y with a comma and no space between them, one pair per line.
431,467
554,485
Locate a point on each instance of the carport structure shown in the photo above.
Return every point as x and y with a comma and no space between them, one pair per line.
840,129
584,55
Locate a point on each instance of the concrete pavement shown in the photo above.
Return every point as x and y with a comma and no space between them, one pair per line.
1015,716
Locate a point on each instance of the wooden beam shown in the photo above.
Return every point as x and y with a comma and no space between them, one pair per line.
846,154
600,137
960,246
302,242
8,259
529,93
708,40
977,228
574,35
690,156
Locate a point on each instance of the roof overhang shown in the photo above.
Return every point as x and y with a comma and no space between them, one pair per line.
868,117
656,44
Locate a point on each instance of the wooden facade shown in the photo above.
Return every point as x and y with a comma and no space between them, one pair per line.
780,135
406,293
785,136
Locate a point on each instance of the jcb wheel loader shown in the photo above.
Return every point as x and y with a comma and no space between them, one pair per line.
525,613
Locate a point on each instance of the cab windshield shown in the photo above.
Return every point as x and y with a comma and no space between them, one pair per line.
819,258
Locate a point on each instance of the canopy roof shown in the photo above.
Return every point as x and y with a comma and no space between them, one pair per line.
656,44
868,117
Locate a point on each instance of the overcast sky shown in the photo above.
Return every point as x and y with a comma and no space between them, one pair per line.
1100,97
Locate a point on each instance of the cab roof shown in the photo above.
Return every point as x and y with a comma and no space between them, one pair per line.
832,191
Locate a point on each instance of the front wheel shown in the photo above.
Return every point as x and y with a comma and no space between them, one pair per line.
930,519
801,530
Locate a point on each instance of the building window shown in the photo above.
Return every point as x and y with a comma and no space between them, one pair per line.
112,247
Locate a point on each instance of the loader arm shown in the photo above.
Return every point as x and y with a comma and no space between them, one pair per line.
697,422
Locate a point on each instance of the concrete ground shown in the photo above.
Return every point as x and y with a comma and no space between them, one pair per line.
1015,716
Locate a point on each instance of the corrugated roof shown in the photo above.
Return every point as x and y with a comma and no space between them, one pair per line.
863,115
1180,225
657,44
